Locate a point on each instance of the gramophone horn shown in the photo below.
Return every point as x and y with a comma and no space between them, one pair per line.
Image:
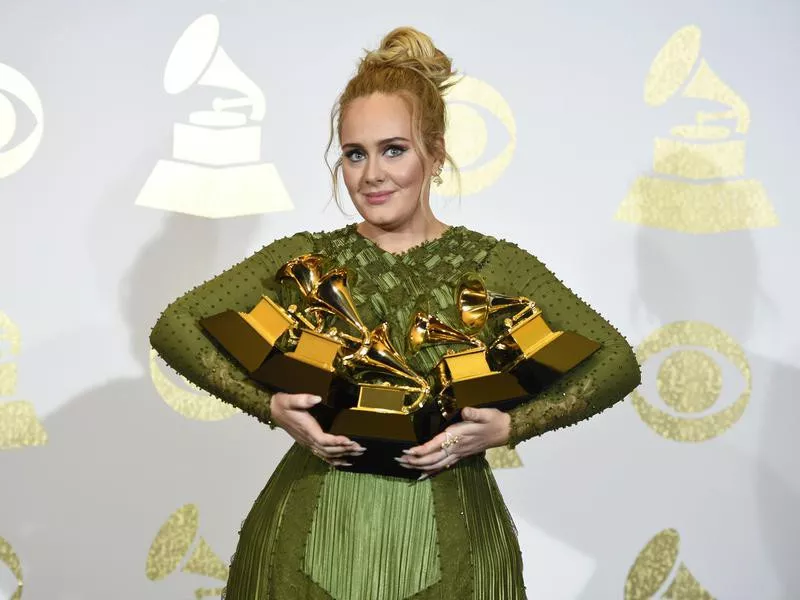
475,303
305,271
331,295
427,329
379,356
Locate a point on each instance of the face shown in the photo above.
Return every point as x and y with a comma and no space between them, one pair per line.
382,171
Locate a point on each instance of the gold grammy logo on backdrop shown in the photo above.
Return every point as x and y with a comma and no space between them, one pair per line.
9,558
216,169
19,426
14,158
189,401
466,137
503,457
173,544
689,382
698,184
658,574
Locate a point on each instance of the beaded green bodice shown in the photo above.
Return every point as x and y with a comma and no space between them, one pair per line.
389,288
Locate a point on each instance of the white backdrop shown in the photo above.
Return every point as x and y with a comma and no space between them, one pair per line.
646,152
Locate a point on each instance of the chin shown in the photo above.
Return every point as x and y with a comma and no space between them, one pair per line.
381,215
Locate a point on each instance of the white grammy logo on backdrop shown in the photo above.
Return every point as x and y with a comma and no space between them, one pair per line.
16,157
215,170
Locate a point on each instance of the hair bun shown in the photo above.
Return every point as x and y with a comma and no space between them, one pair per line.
406,47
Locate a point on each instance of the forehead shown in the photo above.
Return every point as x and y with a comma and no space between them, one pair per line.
375,117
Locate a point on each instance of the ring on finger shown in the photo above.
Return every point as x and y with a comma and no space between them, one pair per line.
449,439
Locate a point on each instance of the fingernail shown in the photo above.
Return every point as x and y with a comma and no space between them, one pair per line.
411,452
423,476
398,459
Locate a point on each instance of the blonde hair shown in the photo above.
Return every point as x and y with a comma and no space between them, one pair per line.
407,64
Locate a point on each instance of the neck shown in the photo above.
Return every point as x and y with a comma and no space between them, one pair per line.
399,239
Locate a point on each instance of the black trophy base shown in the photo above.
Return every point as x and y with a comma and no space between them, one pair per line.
293,376
384,436
379,458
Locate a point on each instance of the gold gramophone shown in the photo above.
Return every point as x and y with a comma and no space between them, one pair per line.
463,378
311,366
528,347
251,338
365,383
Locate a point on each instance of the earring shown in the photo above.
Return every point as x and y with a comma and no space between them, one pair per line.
437,177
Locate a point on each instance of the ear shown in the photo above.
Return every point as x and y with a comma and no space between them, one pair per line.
437,154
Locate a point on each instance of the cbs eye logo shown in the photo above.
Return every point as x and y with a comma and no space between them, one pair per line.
15,154
467,137
700,365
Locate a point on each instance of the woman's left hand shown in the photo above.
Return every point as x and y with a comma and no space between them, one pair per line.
481,428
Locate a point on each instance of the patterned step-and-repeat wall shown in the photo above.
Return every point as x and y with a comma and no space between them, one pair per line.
645,152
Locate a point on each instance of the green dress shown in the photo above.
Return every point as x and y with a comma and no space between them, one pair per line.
319,532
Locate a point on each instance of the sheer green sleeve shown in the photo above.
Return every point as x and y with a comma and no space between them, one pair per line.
600,381
184,346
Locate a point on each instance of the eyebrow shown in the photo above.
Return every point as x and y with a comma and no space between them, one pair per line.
380,143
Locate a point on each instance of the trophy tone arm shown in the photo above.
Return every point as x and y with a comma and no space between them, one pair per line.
181,342
598,383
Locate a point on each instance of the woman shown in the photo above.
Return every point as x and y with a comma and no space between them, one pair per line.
320,532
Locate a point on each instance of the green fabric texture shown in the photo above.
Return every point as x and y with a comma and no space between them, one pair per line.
318,532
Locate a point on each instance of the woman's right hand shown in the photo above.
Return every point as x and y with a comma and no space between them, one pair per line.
290,412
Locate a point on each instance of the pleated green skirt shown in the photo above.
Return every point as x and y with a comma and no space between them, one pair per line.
320,533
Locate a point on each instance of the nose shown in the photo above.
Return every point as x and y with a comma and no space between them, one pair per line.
373,173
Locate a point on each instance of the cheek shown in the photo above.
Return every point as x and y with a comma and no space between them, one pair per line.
408,174
350,177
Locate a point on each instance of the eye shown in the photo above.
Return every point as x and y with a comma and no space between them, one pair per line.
394,151
354,155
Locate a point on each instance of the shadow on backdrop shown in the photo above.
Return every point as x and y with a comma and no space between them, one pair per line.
83,510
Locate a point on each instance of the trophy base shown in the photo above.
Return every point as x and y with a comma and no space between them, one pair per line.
294,376
379,459
384,435
249,337
495,390
564,351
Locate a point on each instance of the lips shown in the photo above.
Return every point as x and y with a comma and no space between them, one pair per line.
378,198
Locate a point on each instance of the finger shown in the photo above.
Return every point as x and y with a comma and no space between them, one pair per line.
431,445
428,459
338,451
435,470
327,439
337,462
302,401
447,461
477,415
